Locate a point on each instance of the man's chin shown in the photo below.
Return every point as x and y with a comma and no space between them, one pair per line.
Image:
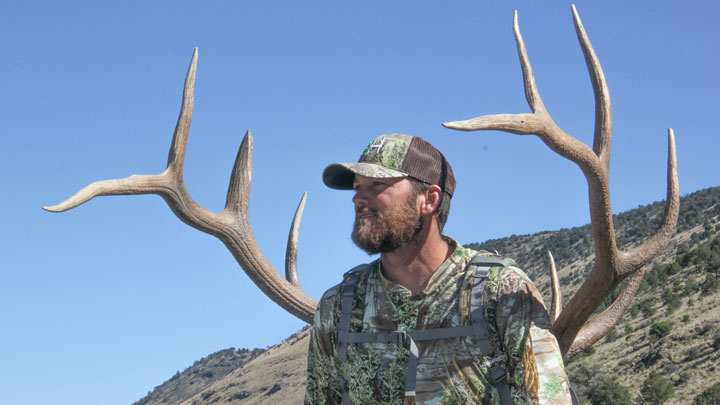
366,243
372,247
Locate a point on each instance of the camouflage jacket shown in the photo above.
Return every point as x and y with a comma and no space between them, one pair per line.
449,371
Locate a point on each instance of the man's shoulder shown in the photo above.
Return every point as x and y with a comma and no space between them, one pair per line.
354,275
328,310
507,280
504,274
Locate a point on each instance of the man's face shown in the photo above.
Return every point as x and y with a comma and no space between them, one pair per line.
386,214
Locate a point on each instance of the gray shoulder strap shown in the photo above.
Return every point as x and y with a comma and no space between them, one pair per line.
348,289
479,324
481,260
347,294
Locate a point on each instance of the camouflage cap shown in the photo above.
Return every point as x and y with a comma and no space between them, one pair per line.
393,156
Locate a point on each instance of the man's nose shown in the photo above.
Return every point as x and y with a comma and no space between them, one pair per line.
360,196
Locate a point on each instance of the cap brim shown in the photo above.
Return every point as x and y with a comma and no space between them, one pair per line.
340,175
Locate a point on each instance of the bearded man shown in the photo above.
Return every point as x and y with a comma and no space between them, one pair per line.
429,322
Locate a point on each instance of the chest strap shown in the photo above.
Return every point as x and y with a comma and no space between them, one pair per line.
478,329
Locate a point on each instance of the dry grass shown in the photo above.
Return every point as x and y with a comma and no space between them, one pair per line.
275,377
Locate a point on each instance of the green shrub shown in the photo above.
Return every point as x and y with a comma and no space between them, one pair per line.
692,353
589,351
658,330
691,286
671,300
634,311
710,284
716,341
656,389
609,391
710,396
683,377
647,308
612,335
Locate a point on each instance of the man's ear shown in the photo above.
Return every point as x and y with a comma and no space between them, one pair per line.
433,196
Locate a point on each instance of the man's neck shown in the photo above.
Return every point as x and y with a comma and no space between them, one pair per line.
413,265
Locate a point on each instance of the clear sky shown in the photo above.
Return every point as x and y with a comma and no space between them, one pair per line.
104,302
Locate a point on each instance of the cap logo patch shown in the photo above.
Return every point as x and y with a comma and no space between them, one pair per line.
376,143
387,151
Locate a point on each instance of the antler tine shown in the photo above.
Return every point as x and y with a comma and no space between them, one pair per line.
556,304
231,225
291,273
521,124
601,324
176,156
135,184
611,265
233,229
537,123
603,109
651,247
238,195
154,183
531,92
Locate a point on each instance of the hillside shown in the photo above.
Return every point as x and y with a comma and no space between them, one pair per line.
273,376
680,288
196,378
677,309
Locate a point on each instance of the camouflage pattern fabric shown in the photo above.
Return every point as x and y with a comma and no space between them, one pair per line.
387,150
382,158
450,371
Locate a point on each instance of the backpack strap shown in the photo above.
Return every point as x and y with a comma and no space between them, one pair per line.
479,324
482,265
348,288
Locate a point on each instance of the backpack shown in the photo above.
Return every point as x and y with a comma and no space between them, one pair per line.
477,328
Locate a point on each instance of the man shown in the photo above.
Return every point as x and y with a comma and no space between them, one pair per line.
429,321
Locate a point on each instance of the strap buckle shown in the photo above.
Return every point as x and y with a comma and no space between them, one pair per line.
397,337
498,375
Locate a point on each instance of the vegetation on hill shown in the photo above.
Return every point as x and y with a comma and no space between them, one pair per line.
667,345
200,375
665,348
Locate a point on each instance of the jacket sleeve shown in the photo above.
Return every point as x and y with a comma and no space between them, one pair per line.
535,368
323,378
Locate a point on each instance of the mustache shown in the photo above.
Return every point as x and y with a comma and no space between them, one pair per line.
363,209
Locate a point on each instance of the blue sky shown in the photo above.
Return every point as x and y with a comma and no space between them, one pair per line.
102,303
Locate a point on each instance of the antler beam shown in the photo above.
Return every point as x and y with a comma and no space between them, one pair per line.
611,265
231,225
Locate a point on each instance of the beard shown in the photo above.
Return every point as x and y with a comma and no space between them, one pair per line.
390,230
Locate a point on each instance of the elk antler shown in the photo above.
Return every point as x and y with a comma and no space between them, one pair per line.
230,225
556,299
611,265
